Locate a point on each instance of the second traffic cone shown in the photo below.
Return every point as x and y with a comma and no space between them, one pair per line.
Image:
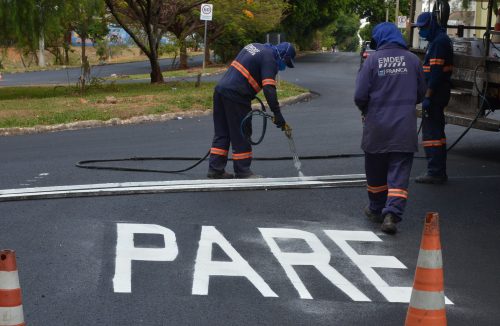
427,303
11,306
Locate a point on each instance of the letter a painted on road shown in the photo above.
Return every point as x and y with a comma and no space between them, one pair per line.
238,266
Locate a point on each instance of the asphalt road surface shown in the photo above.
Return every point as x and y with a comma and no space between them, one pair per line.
281,257
71,75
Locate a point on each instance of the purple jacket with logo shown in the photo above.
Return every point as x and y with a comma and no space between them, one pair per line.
388,87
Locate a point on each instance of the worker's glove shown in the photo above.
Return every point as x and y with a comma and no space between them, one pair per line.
278,120
426,106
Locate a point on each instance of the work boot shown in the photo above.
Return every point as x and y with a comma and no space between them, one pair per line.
219,175
429,179
372,216
389,224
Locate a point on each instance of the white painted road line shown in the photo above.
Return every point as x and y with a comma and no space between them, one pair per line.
128,188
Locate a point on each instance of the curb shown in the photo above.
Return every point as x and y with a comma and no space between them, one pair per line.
134,120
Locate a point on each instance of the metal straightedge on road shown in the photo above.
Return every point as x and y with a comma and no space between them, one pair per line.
155,187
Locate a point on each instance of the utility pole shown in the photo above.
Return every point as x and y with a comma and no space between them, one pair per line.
397,12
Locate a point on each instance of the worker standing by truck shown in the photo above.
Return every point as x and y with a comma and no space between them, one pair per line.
438,67
388,87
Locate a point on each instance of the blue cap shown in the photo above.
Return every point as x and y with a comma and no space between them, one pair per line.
424,19
287,52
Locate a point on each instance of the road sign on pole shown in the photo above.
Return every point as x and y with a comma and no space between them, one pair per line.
402,21
206,11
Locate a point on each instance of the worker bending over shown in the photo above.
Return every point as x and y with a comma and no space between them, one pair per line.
255,68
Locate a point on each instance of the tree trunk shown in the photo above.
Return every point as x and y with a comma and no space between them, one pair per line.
41,49
207,54
183,58
84,48
156,75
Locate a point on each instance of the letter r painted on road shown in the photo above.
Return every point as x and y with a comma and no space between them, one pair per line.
126,251
238,266
319,258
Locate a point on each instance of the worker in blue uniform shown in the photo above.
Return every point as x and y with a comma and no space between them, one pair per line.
438,67
389,85
254,69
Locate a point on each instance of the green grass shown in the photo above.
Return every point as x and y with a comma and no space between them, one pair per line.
32,106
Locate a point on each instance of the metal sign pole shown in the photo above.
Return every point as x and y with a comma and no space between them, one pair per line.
205,47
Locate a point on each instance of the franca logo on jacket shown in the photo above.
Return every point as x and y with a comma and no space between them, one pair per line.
252,49
392,66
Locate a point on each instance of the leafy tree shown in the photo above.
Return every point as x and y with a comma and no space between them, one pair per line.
237,23
375,13
86,18
25,23
151,17
305,17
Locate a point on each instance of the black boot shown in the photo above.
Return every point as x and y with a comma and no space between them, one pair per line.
429,179
212,174
372,216
389,224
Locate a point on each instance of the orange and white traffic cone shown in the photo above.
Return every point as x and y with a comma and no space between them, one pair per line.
11,305
427,303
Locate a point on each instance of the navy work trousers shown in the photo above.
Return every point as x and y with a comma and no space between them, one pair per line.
228,115
388,175
434,141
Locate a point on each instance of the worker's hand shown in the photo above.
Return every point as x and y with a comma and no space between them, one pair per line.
278,120
426,106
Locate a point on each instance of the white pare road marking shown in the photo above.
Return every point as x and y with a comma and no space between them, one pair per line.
367,263
238,266
205,267
319,258
126,251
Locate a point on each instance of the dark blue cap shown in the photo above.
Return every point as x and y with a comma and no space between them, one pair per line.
424,19
287,52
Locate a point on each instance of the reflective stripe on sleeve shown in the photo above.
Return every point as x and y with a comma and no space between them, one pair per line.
436,62
269,81
434,143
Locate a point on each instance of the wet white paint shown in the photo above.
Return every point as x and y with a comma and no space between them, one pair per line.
205,267
318,258
367,263
126,252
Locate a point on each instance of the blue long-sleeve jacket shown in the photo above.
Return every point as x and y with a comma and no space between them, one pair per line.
388,87
438,66
254,69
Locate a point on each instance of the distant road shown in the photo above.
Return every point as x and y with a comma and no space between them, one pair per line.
70,75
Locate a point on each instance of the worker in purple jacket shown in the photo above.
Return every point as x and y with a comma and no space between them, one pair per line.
388,87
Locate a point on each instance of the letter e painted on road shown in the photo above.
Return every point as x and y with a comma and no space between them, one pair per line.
238,266
319,258
366,263
126,252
